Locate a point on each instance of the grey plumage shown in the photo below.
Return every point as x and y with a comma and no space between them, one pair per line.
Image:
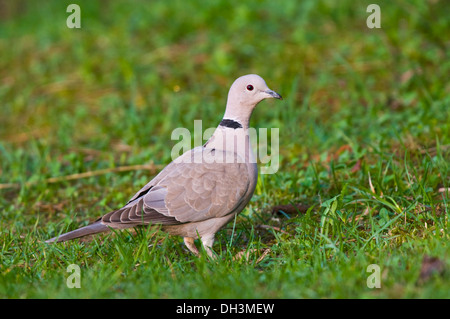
203,189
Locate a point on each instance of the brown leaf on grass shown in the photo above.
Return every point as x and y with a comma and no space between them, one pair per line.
356,167
52,207
334,156
394,103
406,76
360,218
86,151
121,147
430,266
246,254
26,136
290,209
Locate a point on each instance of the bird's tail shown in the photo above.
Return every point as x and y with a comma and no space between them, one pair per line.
94,228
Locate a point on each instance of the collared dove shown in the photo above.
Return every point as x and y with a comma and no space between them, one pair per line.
203,189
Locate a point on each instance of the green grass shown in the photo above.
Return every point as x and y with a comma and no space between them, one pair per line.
364,141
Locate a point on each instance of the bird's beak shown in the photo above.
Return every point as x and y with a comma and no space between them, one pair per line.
273,94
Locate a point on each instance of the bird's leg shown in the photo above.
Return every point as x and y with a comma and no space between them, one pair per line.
208,242
189,242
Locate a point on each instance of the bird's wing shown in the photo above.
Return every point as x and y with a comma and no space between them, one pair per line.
188,191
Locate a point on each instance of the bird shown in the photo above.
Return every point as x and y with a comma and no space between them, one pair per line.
203,189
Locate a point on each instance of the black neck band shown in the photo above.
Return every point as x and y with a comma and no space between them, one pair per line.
230,123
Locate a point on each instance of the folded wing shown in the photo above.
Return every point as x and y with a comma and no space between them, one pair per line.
191,189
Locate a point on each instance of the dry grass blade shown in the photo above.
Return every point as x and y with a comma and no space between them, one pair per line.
246,254
148,167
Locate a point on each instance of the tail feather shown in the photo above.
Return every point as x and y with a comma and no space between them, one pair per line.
91,229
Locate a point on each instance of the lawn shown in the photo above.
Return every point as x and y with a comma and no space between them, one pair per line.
87,114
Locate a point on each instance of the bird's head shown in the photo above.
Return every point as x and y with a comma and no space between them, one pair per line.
245,93
250,90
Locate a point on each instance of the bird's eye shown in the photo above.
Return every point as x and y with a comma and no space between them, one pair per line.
250,87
